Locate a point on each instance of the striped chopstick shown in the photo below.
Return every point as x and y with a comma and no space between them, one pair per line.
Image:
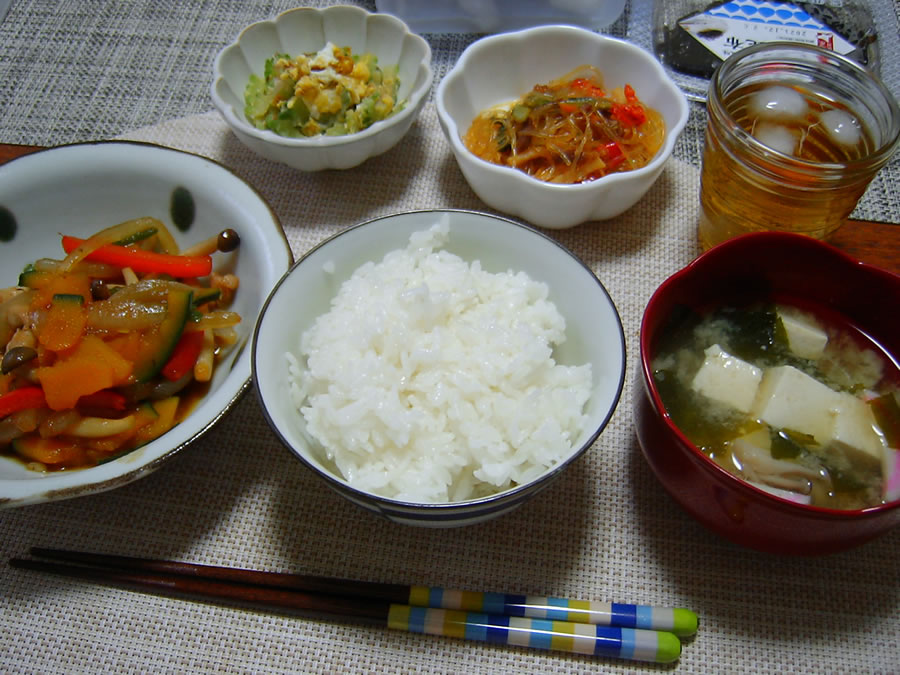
682,622
600,629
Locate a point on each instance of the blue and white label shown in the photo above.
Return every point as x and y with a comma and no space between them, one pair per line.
732,26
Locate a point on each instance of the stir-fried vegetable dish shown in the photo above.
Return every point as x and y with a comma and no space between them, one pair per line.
569,131
332,92
102,348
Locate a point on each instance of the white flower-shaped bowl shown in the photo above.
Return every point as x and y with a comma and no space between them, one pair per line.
593,335
80,189
501,68
305,30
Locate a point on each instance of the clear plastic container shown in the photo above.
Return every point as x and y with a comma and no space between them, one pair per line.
692,37
499,16
795,134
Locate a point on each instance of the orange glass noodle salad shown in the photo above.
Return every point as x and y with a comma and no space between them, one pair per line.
569,131
101,348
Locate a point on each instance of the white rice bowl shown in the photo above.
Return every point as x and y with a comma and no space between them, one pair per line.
431,380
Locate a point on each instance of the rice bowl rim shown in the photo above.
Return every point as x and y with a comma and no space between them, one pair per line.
517,493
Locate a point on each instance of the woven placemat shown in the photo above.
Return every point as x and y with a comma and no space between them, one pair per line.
605,530
76,71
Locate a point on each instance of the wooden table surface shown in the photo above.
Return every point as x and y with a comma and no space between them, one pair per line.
874,243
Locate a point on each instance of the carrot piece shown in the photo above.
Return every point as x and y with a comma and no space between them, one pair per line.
62,326
68,380
94,349
69,283
184,355
91,366
129,346
21,399
568,108
145,262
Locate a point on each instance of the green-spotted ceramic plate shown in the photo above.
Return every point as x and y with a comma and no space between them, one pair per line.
82,188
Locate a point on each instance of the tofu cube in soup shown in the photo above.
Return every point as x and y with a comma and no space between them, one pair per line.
853,435
727,379
805,339
788,398
840,422
797,403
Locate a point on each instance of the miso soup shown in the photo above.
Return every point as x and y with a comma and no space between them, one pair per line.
791,399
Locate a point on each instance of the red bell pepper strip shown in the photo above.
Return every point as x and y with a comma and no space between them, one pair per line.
21,399
630,96
184,356
629,114
612,154
145,262
105,398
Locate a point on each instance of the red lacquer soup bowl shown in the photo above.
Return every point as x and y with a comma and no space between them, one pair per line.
755,267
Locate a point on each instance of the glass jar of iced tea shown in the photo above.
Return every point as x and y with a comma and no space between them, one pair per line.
794,135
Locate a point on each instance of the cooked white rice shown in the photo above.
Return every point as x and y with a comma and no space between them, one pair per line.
432,380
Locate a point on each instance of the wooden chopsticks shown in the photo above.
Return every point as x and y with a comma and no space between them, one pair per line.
602,629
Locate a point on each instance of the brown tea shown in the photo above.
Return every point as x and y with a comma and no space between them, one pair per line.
795,134
781,194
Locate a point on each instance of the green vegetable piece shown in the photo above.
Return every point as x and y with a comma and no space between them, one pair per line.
204,295
689,411
31,277
752,333
579,100
366,111
520,112
31,445
780,336
536,99
788,444
146,408
337,129
842,480
162,340
501,134
68,299
887,414
136,237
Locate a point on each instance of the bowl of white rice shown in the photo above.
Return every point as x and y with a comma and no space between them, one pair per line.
439,367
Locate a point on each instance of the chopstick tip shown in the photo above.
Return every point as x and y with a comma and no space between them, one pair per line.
684,622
